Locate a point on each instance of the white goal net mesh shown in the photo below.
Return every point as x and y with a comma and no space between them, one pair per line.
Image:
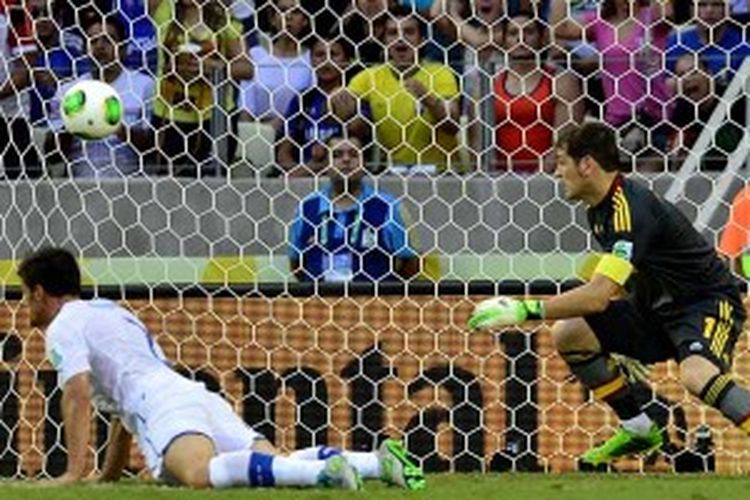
215,212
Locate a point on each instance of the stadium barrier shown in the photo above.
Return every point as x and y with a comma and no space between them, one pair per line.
347,365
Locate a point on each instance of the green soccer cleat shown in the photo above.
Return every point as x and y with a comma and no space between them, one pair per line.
624,443
338,473
396,469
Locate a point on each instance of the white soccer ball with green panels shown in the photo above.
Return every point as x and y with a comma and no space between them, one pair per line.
91,110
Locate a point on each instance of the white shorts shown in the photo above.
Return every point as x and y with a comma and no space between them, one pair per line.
187,407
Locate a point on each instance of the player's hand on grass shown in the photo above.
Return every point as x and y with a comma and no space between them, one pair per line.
504,311
63,480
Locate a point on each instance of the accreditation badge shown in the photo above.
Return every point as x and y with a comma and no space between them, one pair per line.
339,268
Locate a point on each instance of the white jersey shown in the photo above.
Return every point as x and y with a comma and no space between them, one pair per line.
130,376
102,338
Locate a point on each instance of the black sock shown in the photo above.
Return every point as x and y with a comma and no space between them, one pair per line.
608,384
732,400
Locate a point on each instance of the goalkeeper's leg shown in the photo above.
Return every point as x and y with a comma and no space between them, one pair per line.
580,348
704,379
705,338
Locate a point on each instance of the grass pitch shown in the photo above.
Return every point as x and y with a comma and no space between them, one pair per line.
441,487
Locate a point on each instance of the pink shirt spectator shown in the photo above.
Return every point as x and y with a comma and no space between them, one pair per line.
632,70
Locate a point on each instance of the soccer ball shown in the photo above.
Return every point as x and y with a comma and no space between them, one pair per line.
91,110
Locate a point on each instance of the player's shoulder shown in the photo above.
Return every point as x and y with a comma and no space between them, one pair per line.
73,316
633,203
637,194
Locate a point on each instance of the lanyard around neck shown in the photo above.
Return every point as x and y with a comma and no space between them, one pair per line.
354,230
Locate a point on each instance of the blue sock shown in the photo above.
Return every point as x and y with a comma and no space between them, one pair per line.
249,468
326,452
260,470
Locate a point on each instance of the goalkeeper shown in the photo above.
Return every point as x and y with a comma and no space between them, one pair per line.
658,292
189,436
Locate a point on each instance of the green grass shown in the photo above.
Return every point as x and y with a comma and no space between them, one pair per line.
441,487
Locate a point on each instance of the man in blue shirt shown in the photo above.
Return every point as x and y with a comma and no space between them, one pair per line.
718,41
349,231
55,63
311,122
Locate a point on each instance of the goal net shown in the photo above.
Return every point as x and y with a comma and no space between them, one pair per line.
200,214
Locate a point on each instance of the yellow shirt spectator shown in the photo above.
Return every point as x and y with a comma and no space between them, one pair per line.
176,100
404,127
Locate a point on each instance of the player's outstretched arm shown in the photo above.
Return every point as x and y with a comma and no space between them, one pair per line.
76,410
590,298
118,451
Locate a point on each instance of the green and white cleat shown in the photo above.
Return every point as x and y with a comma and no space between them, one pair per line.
396,469
338,473
624,443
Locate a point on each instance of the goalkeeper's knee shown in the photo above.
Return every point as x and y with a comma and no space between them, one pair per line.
574,340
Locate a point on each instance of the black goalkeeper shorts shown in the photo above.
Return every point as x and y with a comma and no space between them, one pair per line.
708,328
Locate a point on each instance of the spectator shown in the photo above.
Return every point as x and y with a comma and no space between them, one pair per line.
198,41
631,37
584,54
244,12
477,58
721,43
414,104
363,24
532,102
311,122
476,26
282,72
471,22
697,101
55,64
349,231
741,11
142,50
735,240
119,155
18,155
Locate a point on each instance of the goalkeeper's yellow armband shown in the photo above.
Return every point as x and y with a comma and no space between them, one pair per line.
615,268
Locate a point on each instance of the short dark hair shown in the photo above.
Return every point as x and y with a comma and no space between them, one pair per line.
400,11
594,139
111,20
342,41
525,13
54,269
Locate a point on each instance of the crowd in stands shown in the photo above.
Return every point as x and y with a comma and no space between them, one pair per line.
425,86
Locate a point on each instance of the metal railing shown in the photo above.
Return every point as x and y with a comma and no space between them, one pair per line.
735,161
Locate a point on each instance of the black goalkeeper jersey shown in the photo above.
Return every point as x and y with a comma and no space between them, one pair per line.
674,265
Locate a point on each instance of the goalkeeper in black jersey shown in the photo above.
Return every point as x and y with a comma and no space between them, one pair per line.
658,292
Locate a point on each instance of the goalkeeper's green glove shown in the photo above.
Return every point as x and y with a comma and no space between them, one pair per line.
503,311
